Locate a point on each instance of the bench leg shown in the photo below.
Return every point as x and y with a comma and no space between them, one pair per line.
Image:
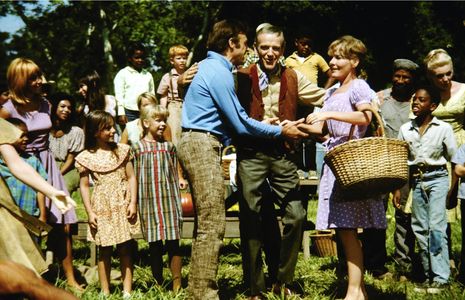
93,254
306,244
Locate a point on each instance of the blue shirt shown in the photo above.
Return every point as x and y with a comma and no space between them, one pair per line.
211,103
434,148
24,196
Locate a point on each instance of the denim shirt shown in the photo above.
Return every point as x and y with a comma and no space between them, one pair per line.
435,147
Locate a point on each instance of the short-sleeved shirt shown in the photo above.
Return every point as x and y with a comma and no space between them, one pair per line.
169,86
395,113
24,196
309,66
71,142
435,147
459,159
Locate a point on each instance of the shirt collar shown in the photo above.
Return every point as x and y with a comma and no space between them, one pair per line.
132,70
414,125
221,58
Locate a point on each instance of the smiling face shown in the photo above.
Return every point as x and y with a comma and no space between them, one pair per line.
155,128
270,47
441,77
21,143
422,104
106,134
63,111
237,50
83,90
34,83
341,66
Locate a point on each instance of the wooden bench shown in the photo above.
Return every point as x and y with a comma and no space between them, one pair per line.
232,229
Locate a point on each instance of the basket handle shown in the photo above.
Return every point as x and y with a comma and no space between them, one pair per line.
378,119
225,150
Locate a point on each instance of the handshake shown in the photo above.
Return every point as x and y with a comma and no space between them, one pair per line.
294,130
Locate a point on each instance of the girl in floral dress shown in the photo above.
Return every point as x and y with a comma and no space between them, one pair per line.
160,178
112,208
343,107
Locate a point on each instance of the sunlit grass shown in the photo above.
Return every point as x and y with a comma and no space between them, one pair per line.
315,278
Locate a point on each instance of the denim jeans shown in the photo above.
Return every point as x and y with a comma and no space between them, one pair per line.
319,158
429,223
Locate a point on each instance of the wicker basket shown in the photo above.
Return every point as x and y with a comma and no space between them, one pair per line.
369,166
324,243
225,162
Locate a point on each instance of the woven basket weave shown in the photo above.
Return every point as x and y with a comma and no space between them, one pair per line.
226,162
369,166
324,243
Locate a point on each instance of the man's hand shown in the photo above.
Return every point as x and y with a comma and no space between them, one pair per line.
188,76
271,121
291,131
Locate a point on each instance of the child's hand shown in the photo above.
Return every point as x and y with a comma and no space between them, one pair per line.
183,183
92,220
131,212
396,199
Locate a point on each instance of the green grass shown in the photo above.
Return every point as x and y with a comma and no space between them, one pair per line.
315,278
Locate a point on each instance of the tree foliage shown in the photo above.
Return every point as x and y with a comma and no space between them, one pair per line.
68,39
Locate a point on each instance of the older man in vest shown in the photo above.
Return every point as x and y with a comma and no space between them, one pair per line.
271,93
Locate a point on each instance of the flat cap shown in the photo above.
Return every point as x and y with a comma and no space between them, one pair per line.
405,64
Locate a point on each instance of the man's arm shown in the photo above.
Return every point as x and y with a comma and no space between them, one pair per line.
118,83
17,279
223,93
309,93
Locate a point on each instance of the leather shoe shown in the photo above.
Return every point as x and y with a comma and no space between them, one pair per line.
281,289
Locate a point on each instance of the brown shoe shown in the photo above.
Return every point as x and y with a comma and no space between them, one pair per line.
281,289
257,297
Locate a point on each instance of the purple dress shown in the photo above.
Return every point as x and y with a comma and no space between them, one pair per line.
333,211
38,124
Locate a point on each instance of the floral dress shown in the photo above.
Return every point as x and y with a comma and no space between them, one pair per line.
110,196
334,211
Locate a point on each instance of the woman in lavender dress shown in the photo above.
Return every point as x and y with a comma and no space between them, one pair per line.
343,107
27,104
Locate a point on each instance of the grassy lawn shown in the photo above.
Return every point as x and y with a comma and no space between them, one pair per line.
315,278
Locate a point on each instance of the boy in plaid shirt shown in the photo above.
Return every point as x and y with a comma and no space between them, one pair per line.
25,197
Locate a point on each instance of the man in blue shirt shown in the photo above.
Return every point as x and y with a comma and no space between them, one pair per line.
211,114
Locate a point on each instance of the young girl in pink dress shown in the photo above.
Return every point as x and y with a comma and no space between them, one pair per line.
343,107
27,104
112,208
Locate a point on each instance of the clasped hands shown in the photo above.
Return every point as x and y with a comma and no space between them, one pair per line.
289,128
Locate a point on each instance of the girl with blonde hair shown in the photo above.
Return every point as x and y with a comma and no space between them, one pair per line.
343,106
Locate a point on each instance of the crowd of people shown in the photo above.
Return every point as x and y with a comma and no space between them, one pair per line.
129,155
